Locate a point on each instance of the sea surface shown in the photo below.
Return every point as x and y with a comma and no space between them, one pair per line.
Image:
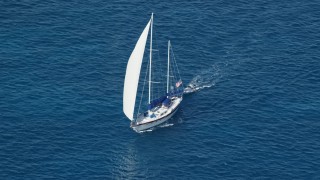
257,115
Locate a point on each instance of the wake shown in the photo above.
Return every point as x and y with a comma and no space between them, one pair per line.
206,79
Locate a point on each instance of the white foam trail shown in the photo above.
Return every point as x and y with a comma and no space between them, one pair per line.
166,125
207,78
144,131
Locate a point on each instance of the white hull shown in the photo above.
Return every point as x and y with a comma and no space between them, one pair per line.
163,114
155,123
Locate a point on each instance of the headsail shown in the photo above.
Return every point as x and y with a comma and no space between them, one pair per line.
132,74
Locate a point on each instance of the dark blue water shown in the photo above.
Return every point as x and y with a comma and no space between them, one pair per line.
62,66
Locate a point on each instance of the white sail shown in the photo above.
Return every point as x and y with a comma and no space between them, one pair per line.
132,74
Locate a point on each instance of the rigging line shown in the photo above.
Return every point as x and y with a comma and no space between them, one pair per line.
174,71
152,49
158,70
171,73
144,83
176,65
160,77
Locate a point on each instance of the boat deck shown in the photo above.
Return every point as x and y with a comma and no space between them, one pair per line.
159,112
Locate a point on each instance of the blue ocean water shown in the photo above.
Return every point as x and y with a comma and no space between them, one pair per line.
257,116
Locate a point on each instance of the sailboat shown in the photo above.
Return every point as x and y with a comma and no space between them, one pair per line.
159,109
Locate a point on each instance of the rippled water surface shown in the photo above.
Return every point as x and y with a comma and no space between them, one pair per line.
257,115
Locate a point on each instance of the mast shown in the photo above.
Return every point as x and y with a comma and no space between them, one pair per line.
168,67
150,59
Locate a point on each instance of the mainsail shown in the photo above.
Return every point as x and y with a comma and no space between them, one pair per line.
132,74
